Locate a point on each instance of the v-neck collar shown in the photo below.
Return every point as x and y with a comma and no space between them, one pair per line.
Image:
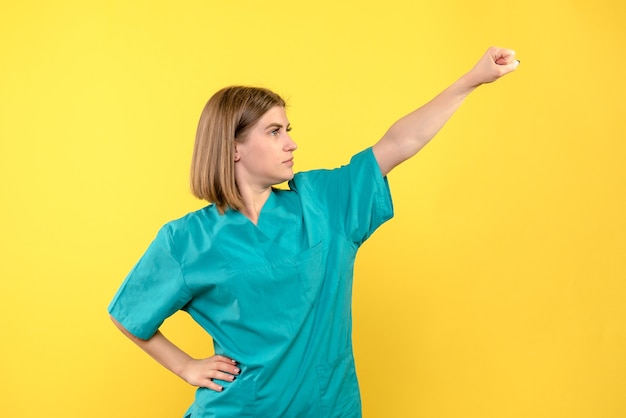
270,203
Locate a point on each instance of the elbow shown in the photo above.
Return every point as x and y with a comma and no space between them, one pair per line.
405,142
121,327
126,332
117,323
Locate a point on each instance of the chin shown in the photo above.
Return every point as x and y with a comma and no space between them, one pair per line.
289,176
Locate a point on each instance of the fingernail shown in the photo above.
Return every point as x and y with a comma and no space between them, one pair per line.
237,371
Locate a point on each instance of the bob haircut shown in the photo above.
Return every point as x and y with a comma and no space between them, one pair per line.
227,117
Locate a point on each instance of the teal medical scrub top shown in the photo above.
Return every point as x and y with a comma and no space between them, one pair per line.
275,296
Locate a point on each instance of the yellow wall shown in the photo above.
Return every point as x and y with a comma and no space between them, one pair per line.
497,290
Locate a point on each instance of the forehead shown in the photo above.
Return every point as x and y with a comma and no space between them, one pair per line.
275,116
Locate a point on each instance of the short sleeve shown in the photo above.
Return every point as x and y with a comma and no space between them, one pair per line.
153,290
355,197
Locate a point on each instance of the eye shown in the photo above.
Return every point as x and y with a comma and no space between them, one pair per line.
276,130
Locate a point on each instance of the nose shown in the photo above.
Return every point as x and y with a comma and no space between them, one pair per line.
290,144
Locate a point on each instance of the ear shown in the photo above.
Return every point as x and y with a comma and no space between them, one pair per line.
237,156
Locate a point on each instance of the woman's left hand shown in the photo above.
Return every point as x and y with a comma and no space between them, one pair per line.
496,63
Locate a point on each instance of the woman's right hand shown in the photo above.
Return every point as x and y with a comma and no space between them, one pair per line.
195,372
201,372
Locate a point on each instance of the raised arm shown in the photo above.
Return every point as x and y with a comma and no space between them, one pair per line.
411,133
196,372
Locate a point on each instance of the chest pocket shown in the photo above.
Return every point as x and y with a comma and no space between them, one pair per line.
312,271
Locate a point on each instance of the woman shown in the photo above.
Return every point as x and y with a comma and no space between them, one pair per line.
267,272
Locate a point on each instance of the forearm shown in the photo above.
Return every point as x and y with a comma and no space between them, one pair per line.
412,132
196,372
162,350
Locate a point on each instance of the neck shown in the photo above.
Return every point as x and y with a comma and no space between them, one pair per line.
253,202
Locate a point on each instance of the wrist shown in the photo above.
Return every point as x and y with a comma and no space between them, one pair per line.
184,369
469,82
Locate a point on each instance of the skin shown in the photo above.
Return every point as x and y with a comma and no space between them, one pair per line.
264,158
411,133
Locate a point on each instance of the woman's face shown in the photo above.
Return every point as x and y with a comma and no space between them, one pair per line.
264,157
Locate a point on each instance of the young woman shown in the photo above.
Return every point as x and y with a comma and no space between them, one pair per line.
267,272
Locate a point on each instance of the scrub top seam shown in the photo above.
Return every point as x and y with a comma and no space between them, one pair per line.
178,262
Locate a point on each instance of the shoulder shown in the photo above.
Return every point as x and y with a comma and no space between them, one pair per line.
192,224
190,218
363,161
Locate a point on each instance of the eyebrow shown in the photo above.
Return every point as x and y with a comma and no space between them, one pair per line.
276,125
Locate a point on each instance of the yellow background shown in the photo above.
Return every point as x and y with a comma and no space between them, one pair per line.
498,290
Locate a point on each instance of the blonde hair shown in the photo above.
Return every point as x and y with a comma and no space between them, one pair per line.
227,117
